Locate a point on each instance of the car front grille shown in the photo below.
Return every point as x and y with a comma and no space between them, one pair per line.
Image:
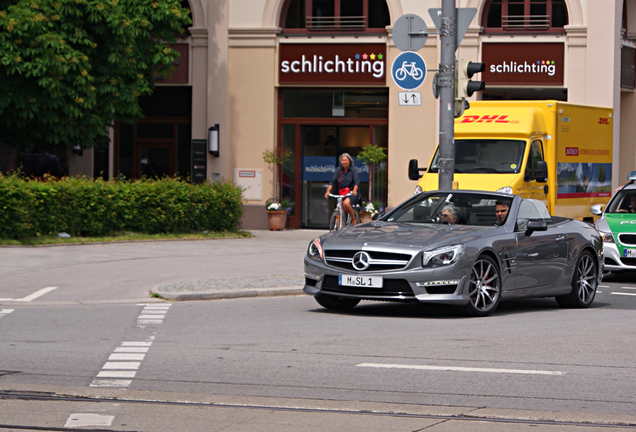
394,289
629,261
627,239
610,261
379,260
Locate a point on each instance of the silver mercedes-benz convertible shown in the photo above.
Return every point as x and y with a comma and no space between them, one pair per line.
467,248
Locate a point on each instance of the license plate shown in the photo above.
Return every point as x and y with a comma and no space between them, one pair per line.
360,281
630,253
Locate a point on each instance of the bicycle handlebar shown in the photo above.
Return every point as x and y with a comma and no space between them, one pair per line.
341,196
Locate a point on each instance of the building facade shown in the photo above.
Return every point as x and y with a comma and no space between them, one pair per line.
314,77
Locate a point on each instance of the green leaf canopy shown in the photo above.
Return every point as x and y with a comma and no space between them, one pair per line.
70,68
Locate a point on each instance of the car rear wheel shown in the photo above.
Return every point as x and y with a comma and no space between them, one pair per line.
584,283
484,287
336,303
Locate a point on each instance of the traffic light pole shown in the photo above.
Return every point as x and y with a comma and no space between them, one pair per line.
448,39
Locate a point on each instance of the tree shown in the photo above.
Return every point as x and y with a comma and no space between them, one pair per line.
276,158
371,154
70,68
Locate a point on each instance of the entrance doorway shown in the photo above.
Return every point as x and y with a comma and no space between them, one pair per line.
318,125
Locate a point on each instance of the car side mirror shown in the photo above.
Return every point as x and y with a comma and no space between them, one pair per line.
596,209
536,225
414,170
541,172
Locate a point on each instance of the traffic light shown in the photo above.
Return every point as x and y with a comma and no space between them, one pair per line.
464,70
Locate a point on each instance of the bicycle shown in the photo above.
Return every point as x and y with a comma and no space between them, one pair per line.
408,69
339,218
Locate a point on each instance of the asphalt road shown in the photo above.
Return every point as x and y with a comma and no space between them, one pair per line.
97,352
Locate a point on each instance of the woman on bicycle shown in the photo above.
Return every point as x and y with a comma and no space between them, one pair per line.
346,177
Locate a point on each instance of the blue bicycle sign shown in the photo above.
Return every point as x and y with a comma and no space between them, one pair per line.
408,70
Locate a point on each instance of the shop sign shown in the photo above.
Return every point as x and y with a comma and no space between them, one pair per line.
523,63
332,64
321,168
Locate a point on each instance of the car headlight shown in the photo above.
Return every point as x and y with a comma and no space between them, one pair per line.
315,250
442,256
607,237
505,189
418,190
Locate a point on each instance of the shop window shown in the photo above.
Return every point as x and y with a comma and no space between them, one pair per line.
525,16
326,103
339,16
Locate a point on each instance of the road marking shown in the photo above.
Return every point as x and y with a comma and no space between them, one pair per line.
33,296
4,312
114,374
126,357
123,349
83,420
625,294
461,369
152,314
603,286
629,288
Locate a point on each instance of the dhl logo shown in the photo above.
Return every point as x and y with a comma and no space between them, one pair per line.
486,119
603,121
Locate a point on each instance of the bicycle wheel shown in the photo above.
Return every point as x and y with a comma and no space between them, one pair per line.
334,222
400,74
356,213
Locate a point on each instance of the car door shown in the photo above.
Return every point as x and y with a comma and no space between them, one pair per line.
540,256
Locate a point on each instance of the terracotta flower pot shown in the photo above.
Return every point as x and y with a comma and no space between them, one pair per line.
365,217
277,220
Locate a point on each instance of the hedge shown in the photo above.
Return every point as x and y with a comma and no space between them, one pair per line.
87,207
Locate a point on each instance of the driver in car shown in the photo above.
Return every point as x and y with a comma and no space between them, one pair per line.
501,211
449,215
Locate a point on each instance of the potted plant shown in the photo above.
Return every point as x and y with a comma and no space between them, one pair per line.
371,155
369,209
277,214
277,209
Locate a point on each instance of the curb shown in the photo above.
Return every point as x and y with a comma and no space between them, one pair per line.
229,294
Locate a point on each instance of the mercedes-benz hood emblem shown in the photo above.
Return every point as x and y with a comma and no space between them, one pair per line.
361,261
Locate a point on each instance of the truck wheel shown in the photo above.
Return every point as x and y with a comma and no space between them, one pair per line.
584,283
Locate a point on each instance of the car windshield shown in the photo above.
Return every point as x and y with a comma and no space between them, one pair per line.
623,202
485,156
463,208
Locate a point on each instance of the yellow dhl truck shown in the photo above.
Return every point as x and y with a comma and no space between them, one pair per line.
556,152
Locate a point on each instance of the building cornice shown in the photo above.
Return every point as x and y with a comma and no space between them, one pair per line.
252,36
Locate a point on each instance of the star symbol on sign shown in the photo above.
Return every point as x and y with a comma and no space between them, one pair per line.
372,56
380,56
357,56
364,56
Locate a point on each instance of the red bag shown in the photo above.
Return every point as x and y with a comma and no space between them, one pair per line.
344,191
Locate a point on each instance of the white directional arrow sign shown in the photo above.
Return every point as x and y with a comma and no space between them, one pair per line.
409,98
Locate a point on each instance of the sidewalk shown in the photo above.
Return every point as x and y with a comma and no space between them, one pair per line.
273,254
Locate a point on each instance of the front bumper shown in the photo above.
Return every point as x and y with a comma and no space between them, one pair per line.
437,285
614,261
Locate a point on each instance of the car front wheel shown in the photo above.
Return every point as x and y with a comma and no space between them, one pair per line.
584,283
336,303
484,287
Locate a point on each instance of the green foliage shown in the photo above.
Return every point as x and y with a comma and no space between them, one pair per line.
69,68
84,207
277,156
372,153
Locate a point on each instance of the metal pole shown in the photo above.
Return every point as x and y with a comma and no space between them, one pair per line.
448,39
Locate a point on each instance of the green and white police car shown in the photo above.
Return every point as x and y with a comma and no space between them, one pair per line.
617,226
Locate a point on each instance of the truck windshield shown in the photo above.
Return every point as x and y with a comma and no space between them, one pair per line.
485,156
